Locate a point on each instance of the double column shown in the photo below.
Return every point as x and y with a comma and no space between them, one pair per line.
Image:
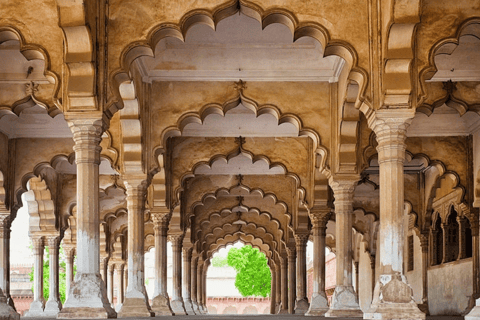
187,262
292,255
301,306
119,268
319,303
178,307
87,297
344,300
161,301
38,304
284,285
392,297
136,302
193,288
53,305
69,257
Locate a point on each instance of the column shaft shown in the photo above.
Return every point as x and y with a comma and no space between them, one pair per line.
199,285
38,304
69,257
110,282
193,279
392,296
7,310
301,306
90,298
273,290
278,286
178,307
319,303
291,279
344,300
424,245
161,301
284,289
187,281
119,284
53,305
136,302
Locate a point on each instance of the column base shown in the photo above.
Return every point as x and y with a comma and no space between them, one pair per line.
189,307
36,309
424,308
344,303
195,307
52,308
301,306
283,311
178,307
118,307
161,306
393,299
318,306
474,314
7,312
87,299
135,308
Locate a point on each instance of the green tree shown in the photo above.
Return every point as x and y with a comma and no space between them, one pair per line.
219,261
62,281
253,274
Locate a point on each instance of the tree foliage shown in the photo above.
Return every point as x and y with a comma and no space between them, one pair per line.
253,274
46,275
219,261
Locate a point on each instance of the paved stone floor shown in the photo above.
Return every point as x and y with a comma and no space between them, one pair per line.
259,317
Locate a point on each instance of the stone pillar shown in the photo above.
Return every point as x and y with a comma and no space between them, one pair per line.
301,306
206,264
445,242
119,284
187,281
356,265
344,300
461,237
193,286
393,297
53,305
90,298
103,268
474,314
199,285
278,286
273,290
319,303
38,304
125,281
161,301
7,309
110,269
424,245
372,266
177,304
292,255
284,289
136,300
69,258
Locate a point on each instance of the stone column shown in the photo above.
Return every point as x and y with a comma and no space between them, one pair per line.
445,242
69,258
344,300
461,237
278,286
319,303
284,289
103,268
301,306
474,314
187,281
119,284
424,245
356,265
193,287
136,300
392,298
292,255
7,310
53,305
273,290
38,304
177,304
206,264
125,281
161,301
90,298
199,285
372,266
110,269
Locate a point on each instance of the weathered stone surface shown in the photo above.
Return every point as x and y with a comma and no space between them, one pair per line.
161,306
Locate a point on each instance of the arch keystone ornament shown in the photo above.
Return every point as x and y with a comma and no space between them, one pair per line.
392,297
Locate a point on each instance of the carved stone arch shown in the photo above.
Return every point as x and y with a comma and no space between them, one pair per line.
32,52
79,74
41,208
229,239
445,46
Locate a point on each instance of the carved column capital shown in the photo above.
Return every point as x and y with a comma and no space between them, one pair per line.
291,252
301,240
119,266
390,127
176,240
343,189
38,245
424,242
160,221
87,134
320,218
53,242
111,267
187,253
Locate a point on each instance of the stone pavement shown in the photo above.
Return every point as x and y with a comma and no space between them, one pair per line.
259,317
